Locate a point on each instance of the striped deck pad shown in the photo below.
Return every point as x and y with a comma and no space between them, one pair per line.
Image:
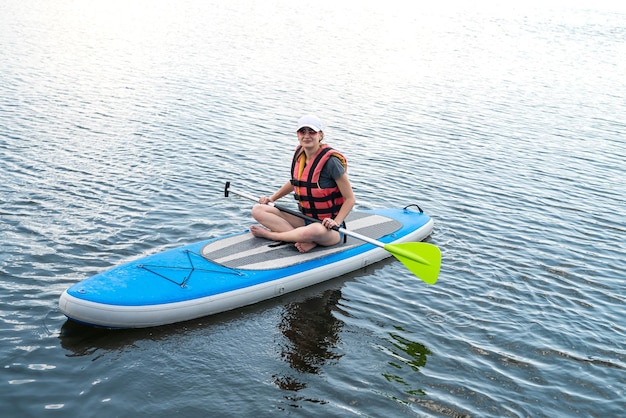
248,252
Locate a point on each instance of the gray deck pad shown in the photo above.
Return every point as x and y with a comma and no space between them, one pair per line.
245,251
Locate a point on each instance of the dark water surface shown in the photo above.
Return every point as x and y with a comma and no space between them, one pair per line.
120,121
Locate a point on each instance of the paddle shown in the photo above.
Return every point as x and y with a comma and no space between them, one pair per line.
421,258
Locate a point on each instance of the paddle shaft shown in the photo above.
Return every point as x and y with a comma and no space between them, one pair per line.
353,234
424,265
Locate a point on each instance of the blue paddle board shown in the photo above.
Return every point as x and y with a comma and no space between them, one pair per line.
225,273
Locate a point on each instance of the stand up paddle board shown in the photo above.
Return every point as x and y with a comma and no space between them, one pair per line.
225,273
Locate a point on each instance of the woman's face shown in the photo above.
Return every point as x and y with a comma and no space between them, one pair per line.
307,136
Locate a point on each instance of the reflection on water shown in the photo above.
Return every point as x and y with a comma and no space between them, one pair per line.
84,340
405,353
312,333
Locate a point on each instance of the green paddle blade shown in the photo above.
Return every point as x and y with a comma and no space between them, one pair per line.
423,259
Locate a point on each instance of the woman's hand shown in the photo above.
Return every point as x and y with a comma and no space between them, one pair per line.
329,223
264,200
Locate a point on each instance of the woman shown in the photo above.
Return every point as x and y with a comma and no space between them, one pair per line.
320,183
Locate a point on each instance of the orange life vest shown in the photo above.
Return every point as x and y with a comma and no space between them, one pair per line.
314,200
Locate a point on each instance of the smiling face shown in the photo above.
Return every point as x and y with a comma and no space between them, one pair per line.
309,138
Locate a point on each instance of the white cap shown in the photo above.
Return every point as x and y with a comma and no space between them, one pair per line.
310,121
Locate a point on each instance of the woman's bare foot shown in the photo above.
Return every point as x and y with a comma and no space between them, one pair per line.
260,231
303,247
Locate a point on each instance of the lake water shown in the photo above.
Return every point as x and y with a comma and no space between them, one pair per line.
121,120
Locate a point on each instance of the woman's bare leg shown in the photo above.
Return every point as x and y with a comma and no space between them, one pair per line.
275,220
280,226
